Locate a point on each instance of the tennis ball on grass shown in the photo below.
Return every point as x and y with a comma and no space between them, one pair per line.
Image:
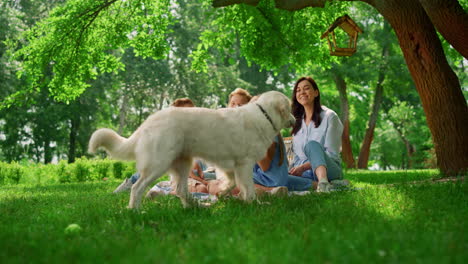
72,229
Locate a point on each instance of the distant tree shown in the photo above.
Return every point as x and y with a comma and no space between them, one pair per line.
75,43
438,86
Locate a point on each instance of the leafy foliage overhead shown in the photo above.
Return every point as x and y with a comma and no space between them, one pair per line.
84,38
269,36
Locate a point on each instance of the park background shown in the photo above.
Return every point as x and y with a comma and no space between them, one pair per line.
202,57
70,67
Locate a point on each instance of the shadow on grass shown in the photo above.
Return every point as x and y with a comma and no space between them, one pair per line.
390,177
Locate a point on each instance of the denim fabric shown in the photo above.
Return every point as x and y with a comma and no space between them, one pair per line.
207,175
277,175
296,183
317,156
135,177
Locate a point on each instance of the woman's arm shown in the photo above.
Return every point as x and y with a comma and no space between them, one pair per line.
297,171
265,163
333,138
200,176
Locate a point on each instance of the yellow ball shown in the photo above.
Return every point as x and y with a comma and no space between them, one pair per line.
72,229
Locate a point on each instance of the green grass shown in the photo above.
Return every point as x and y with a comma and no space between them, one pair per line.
401,223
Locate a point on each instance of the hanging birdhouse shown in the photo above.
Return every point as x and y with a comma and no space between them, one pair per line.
337,42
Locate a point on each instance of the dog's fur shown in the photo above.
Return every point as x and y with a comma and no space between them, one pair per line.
233,139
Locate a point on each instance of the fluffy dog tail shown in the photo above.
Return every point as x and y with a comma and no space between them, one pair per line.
116,146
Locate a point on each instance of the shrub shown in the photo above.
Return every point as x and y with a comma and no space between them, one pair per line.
63,174
117,169
81,170
2,172
102,169
14,172
129,170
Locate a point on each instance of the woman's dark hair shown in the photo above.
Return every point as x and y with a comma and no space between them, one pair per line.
282,148
298,109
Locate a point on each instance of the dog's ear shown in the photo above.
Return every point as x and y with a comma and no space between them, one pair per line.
284,109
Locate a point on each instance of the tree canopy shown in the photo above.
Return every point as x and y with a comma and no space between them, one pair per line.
120,46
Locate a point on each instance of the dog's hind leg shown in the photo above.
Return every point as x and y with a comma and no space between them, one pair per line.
244,180
147,176
180,170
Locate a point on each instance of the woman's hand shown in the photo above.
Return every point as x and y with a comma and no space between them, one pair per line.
299,170
201,176
296,171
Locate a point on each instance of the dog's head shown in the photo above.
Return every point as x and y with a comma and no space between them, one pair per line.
281,105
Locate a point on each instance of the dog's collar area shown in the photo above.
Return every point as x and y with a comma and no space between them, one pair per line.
267,116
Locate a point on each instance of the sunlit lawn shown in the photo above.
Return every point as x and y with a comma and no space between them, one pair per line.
376,222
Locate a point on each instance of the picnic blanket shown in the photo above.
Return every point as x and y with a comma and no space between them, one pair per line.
165,188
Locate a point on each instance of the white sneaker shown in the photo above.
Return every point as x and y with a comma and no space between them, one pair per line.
124,186
279,191
324,187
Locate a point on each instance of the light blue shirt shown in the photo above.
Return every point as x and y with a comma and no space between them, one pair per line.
328,134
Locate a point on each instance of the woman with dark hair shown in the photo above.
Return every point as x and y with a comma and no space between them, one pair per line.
316,137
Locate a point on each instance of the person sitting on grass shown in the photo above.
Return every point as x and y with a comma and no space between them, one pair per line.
270,174
316,138
272,170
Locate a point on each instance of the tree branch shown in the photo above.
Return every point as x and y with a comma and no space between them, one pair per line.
293,5
289,5
276,29
222,3
451,21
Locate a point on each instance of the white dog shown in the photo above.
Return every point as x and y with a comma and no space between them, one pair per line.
232,139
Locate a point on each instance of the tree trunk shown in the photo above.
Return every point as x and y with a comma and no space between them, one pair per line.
47,151
409,147
123,112
346,150
161,100
75,124
441,96
438,86
409,152
451,21
364,153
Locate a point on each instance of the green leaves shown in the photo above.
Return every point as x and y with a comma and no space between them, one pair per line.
79,41
271,37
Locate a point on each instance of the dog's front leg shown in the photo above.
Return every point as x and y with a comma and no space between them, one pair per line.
244,180
181,189
179,177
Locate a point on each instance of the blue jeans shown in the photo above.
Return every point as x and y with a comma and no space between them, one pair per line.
318,157
207,175
297,183
135,177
